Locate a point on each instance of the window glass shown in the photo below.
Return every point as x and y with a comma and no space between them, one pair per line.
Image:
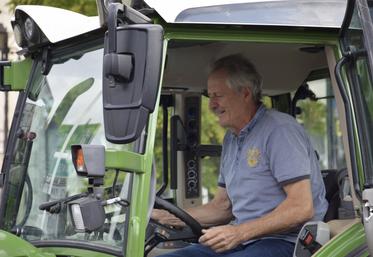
211,133
63,108
320,119
158,146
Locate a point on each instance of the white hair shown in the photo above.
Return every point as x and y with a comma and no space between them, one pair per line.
241,74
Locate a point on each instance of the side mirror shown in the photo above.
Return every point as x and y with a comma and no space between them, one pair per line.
131,76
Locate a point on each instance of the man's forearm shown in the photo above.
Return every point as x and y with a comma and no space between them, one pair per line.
216,212
282,219
292,212
211,214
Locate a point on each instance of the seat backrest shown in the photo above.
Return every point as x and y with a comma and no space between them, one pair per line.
330,178
335,186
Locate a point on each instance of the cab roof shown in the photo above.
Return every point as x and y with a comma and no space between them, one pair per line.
58,24
294,13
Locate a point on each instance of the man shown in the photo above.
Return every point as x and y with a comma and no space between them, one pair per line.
270,181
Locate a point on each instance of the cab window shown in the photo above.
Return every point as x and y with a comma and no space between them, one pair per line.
320,119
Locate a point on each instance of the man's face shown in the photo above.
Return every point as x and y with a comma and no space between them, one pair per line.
228,105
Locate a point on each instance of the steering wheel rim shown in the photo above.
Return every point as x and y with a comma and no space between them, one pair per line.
194,225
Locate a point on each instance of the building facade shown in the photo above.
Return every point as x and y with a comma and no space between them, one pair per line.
7,100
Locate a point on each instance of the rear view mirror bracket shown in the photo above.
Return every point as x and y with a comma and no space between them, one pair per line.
125,15
3,86
14,75
115,14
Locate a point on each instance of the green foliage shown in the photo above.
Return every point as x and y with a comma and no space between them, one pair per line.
86,7
110,177
158,151
313,117
366,84
267,102
211,133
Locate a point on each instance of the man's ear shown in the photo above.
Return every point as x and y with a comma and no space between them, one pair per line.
248,95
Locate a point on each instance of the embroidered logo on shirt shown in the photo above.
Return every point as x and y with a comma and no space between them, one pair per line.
253,157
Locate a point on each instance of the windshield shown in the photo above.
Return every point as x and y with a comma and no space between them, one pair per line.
63,108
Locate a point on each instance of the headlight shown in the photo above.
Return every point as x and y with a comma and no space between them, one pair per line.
27,33
31,31
77,217
87,214
18,34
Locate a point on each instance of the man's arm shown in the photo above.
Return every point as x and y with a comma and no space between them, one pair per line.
296,209
217,211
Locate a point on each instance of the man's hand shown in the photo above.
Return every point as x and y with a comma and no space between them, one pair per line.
166,218
222,238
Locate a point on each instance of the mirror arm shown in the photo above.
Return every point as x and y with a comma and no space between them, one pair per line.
125,15
131,16
116,11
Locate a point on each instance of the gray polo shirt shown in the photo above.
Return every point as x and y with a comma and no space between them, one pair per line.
272,150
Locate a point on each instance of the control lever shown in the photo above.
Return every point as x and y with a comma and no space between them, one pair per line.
56,206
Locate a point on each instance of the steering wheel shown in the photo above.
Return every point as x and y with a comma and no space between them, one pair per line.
161,233
194,225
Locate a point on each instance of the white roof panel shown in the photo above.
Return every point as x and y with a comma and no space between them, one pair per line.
59,24
298,13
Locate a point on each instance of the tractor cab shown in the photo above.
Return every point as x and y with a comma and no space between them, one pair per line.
112,120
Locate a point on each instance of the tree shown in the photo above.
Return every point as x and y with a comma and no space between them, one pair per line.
211,133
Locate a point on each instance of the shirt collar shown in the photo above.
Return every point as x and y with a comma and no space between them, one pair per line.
258,115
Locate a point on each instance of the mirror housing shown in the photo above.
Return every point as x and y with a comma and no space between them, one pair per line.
131,76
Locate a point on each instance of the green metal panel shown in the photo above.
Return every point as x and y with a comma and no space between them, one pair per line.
141,186
250,34
17,74
12,245
73,252
125,160
358,157
344,243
